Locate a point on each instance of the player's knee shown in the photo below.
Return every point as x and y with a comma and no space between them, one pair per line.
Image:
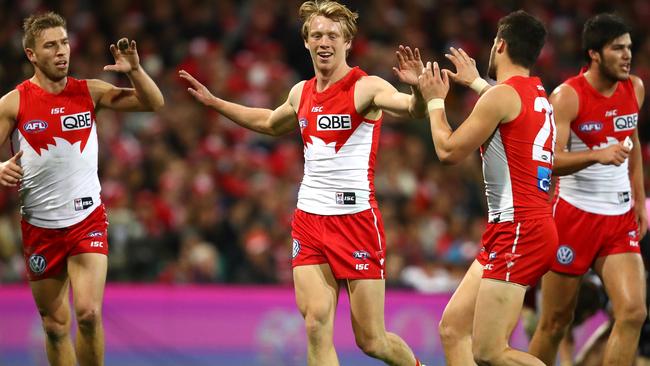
450,331
317,319
633,315
88,318
485,354
56,328
556,323
371,346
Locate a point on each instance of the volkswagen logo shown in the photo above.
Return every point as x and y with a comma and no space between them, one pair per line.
37,263
565,255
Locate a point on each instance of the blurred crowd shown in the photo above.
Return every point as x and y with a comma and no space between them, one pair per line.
193,198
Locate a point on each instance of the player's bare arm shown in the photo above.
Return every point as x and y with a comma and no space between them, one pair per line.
10,170
372,94
565,102
466,72
636,166
499,104
145,94
275,122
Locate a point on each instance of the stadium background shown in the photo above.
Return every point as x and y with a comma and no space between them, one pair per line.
199,208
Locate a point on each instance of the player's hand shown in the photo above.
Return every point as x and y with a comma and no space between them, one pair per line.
641,216
198,90
613,155
409,65
10,171
433,83
126,56
466,70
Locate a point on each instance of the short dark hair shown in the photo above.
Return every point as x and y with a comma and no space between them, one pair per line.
525,36
599,30
35,24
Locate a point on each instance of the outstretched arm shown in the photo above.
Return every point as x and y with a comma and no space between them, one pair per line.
565,109
499,104
270,122
144,96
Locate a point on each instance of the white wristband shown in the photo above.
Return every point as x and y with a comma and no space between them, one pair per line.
435,103
478,85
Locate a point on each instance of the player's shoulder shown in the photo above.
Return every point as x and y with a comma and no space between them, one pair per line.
565,92
637,82
295,93
9,103
501,93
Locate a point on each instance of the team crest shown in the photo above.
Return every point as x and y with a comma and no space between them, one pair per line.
37,263
565,255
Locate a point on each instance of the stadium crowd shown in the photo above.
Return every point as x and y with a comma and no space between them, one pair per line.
193,198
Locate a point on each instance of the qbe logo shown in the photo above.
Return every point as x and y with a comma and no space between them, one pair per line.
626,122
333,122
76,121
565,255
37,263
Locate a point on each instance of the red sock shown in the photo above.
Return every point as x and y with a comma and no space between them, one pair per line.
417,362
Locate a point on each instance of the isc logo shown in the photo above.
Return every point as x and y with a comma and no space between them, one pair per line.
361,266
96,244
624,123
76,121
333,122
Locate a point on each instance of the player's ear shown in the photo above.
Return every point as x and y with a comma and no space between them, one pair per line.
348,45
501,45
30,54
594,55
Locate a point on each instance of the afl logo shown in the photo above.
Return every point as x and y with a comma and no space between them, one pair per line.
565,255
296,248
37,263
361,254
35,126
591,126
303,123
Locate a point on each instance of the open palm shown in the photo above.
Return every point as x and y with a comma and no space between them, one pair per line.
409,65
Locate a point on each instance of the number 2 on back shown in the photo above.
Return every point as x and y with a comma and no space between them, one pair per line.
539,154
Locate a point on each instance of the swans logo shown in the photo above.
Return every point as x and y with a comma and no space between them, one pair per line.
37,263
565,255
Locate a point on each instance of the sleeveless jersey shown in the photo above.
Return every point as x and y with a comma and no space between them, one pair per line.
601,122
340,147
518,157
57,135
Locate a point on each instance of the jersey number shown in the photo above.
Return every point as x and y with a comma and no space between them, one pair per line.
539,154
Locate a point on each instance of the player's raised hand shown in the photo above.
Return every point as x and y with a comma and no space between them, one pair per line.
466,71
10,171
126,56
614,154
432,83
198,90
409,65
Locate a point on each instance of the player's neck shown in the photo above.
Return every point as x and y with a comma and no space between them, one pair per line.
47,84
327,78
602,84
507,71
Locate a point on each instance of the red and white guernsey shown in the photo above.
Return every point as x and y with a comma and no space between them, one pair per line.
340,147
57,135
518,158
601,122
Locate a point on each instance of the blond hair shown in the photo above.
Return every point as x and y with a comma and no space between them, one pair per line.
332,10
35,24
